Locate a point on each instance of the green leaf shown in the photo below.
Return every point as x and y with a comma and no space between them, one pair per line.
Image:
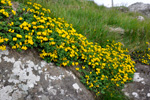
5,28
1,27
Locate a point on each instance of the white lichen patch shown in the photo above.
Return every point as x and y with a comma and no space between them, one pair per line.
148,94
31,64
23,86
62,91
16,95
10,93
137,78
143,82
51,90
70,73
53,78
56,77
136,95
43,63
46,75
5,52
127,94
5,93
76,86
23,73
12,60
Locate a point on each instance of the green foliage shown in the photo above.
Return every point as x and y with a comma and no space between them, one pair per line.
32,26
90,20
113,94
142,56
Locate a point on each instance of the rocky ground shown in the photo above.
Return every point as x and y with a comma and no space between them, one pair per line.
24,76
139,89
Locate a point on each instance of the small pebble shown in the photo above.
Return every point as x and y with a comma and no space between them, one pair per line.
148,94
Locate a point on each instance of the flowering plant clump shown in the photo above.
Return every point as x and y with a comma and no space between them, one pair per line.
143,56
57,41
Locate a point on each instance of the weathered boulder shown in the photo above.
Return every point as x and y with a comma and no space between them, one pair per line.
141,8
139,89
140,18
24,76
123,9
118,30
15,5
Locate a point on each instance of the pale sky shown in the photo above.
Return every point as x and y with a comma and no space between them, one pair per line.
107,3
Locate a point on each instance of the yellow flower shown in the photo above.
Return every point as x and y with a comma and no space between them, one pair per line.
77,68
34,27
73,63
14,39
42,21
53,43
20,18
26,28
20,26
51,39
83,67
12,31
1,40
20,43
45,39
24,48
34,23
102,78
64,64
38,33
76,63
97,85
19,36
30,42
13,47
14,12
3,2
89,63
2,47
11,24
23,9
147,43
6,39
117,84
48,10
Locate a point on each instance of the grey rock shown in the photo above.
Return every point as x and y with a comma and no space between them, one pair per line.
118,30
123,9
141,8
140,18
139,89
24,76
15,5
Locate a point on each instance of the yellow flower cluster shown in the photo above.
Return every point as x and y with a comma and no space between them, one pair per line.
25,26
14,12
59,42
143,56
3,47
6,3
11,30
4,12
11,24
20,18
2,40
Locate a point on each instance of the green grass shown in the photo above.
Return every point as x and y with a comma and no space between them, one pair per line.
92,21
113,94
